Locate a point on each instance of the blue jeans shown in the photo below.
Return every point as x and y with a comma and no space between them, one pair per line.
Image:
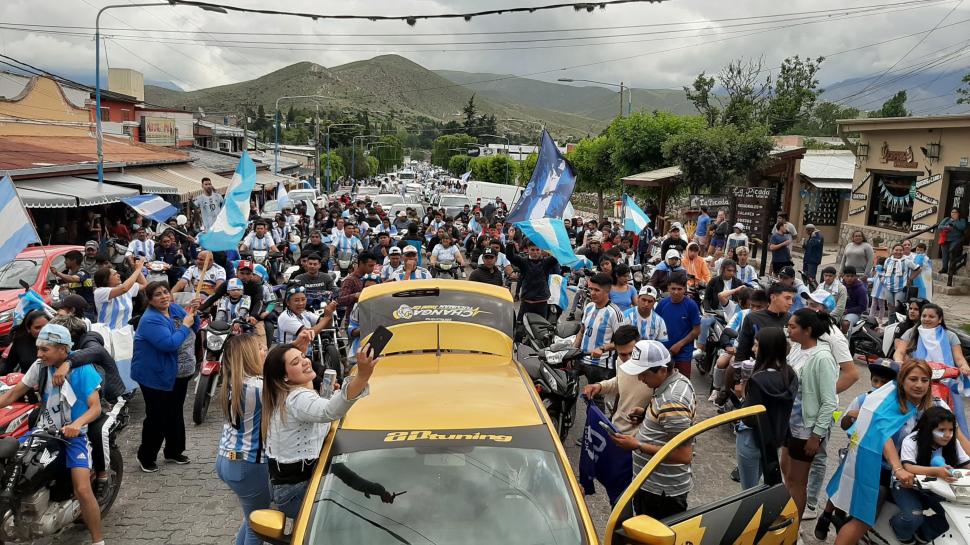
250,483
706,323
911,521
816,475
749,458
289,497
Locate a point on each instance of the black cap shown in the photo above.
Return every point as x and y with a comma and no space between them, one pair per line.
488,252
73,301
787,271
848,269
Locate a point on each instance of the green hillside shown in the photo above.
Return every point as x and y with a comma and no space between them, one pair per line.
587,100
384,83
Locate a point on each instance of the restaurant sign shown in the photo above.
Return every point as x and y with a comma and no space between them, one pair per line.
860,197
159,131
923,213
919,227
899,158
857,210
923,197
929,180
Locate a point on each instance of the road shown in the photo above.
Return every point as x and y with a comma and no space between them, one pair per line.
186,505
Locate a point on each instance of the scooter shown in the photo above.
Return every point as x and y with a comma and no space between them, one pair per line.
866,340
216,333
157,271
448,269
344,261
556,378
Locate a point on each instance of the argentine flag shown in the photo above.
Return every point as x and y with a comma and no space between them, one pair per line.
550,235
465,176
230,224
282,197
550,188
152,207
634,218
16,230
855,486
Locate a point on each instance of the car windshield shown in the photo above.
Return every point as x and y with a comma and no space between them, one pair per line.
385,200
271,206
19,269
303,194
453,201
405,175
446,494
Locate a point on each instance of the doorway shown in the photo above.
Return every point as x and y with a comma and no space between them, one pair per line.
958,194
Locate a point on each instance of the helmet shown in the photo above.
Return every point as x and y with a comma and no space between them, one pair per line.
260,271
181,219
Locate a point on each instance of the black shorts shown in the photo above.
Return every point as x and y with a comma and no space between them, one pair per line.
796,449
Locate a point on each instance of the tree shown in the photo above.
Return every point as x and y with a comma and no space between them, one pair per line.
390,153
469,111
458,164
290,115
795,93
591,158
373,165
712,157
336,165
747,93
822,121
638,139
964,91
700,94
894,107
444,147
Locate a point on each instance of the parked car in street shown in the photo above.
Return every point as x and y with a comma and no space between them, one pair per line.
32,266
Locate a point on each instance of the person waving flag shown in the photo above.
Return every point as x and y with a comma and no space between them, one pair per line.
230,224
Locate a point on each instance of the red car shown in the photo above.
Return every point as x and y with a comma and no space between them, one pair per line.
32,266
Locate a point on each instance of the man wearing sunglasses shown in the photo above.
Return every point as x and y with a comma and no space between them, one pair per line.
409,269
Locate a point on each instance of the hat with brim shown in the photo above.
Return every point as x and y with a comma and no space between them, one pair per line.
884,369
647,354
821,297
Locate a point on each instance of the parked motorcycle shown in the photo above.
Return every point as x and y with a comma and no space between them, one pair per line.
866,339
344,263
713,344
556,378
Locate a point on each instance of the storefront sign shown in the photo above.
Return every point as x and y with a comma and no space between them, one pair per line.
929,180
920,196
923,213
860,197
754,207
857,210
863,182
964,161
710,201
899,159
158,130
919,227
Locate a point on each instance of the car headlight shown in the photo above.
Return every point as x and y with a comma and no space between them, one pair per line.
6,315
549,377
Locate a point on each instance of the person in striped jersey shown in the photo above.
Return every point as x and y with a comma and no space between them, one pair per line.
142,246
113,298
650,325
241,462
601,318
234,305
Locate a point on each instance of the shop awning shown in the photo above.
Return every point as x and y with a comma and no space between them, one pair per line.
266,178
195,174
831,184
84,192
143,185
186,180
38,199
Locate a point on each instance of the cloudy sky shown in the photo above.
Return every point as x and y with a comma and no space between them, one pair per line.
659,45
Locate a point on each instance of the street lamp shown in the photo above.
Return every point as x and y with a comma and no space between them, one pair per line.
507,156
327,172
276,132
353,152
99,136
620,85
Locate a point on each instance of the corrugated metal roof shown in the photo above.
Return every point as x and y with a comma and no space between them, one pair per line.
126,179
654,175
186,181
25,152
828,165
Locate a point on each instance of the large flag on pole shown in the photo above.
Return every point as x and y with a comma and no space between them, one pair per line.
151,206
550,235
230,224
551,185
16,229
282,197
634,218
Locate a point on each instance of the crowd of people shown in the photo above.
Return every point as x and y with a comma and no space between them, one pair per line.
640,339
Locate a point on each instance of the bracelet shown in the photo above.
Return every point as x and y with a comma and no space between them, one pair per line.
897,469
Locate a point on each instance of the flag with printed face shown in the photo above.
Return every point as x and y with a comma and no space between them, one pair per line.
550,235
152,207
855,486
16,230
550,187
230,224
634,218
601,459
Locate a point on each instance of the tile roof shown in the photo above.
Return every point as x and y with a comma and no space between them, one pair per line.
27,152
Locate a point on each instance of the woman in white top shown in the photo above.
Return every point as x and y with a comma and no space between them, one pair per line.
297,419
296,318
737,238
112,297
445,252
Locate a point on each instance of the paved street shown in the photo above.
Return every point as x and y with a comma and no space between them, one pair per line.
183,505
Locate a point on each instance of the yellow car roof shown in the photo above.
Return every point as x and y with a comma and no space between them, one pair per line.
389,288
450,391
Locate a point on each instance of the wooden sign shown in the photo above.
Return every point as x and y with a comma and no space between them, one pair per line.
923,213
899,158
863,182
754,208
919,227
922,197
920,184
857,210
710,201
860,197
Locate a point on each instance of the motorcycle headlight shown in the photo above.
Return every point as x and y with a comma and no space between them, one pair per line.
554,358
6,315
549,377
214,342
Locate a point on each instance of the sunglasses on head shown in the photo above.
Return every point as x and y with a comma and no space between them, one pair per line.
296,289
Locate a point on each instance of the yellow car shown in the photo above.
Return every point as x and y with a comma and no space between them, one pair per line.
453,446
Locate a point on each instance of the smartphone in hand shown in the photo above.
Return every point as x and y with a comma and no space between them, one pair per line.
379,339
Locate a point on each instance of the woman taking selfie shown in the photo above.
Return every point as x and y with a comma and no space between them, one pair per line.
297,419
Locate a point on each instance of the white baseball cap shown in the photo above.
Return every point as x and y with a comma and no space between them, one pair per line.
671,253
739,225
410,249
647,289
647,354
394,250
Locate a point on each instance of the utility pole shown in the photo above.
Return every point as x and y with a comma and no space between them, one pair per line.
316,147
621,99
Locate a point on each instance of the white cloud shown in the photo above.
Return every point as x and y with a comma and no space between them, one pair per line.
196,65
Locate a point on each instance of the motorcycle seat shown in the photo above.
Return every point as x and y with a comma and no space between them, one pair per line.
219,325
8,447
572,354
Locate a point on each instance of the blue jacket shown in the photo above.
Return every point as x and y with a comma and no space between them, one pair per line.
813,248
154,362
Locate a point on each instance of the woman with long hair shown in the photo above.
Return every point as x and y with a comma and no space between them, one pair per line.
932,341
892,413
297,419
774,384
914,310
22,352
241,462
622,292
811,414
858,253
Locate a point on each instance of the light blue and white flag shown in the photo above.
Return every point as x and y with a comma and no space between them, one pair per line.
550,235
634,218
465,176
152,207
230,224
29,302
570,212
559,290
16,230
282,197
855,486
548,192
